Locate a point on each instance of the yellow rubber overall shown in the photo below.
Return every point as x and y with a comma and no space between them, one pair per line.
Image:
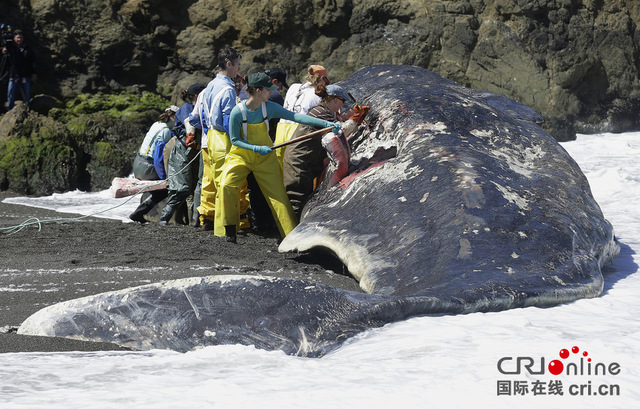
218,146
268,174
284,131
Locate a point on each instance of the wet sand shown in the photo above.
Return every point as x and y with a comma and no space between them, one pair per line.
72,259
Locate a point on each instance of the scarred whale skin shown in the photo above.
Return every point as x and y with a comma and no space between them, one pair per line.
458,195
456,202
296,316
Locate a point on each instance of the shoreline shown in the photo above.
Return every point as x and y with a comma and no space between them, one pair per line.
73,259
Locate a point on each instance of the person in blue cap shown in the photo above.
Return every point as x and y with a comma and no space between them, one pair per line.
251,152
305,161
182,166
278,78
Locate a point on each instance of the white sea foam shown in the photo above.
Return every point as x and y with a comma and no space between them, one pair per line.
99,204
449,361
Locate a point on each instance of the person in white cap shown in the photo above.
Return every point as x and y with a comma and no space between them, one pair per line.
300,99
148,163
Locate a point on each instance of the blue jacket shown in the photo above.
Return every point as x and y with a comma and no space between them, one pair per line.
183,112
220,112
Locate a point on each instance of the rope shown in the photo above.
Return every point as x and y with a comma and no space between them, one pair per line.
34,220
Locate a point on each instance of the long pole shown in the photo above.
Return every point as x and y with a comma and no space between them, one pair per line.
302,138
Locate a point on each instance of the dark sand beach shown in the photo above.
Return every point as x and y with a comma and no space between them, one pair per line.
72,259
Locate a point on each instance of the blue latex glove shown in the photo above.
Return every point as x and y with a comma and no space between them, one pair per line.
336,126
262,149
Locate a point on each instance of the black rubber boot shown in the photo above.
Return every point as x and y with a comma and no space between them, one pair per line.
230,233
207,225
141,210
167,212
195,219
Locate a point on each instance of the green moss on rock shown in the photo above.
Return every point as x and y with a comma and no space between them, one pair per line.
33,165
108,160
81,146
121,106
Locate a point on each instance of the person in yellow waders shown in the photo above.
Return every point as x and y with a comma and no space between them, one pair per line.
251,152
300,99
211,111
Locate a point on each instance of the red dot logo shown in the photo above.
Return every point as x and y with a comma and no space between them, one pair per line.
556,367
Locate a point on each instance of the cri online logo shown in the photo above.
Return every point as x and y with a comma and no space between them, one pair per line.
520,364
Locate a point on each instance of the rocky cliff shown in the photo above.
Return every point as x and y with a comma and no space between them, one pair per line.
575,61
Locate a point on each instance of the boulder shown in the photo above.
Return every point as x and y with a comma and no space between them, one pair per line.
80,146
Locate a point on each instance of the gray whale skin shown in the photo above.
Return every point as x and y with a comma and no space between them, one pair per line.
456,202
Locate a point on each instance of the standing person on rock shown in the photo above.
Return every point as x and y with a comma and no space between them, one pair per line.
212,111
22,69
146,165
181,166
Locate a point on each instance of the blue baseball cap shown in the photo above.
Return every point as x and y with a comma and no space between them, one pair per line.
338,92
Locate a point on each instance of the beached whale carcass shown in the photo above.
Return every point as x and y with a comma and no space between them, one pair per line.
458,194
456,202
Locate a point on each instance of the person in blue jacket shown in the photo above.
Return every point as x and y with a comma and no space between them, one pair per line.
144,167
182,166
212,111
251,152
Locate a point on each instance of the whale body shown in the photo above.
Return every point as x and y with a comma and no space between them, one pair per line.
456,202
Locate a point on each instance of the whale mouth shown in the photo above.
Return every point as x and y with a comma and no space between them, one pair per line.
338,274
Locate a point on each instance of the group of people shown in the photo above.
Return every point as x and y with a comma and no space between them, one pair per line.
231,123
